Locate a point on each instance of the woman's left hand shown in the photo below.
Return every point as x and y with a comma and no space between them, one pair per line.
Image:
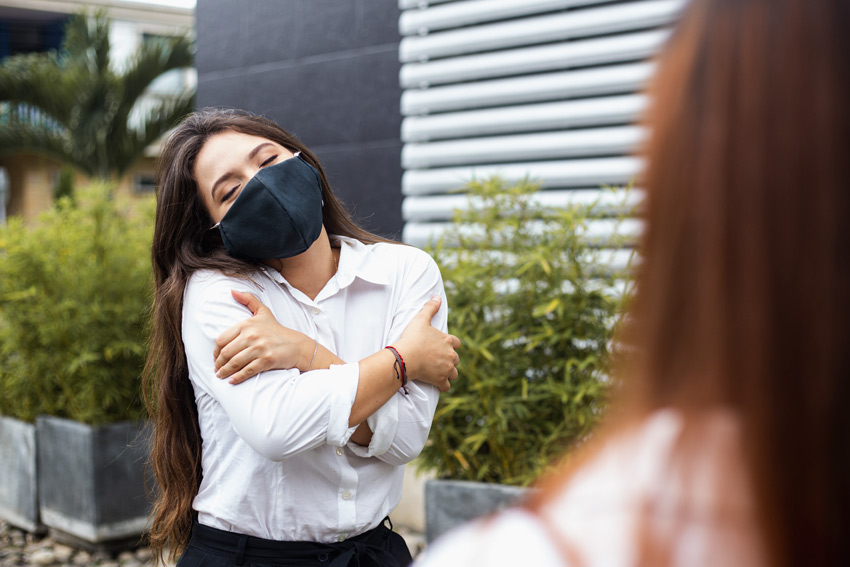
258,344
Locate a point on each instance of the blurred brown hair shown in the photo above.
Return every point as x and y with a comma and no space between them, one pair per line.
742,294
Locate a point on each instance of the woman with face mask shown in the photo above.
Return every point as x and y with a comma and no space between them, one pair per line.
301,464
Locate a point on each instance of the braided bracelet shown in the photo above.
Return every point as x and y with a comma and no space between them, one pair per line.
400,369
312,360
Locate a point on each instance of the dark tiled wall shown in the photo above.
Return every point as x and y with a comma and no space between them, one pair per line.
326,70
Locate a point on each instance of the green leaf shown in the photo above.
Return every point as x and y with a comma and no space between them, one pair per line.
548,308
536,322
74,300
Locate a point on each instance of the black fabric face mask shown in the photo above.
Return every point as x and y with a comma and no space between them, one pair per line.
278,214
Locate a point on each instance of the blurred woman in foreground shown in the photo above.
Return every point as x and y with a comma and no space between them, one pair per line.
730,441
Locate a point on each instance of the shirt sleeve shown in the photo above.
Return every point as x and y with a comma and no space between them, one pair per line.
278,413
400,427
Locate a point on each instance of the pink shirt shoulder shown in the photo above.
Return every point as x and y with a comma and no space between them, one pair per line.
664,492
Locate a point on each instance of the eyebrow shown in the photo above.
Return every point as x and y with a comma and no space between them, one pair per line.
251,155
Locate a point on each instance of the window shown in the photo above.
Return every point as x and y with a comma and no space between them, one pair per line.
144,183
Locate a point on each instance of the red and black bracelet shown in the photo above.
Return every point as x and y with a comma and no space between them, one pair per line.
400,369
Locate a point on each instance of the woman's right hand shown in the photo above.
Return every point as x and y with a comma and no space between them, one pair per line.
429,354
258,344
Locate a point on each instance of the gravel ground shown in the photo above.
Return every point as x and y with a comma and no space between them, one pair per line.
18,548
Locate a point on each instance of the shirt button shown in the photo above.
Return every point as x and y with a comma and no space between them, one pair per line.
316,310
346,495
340,537
339,451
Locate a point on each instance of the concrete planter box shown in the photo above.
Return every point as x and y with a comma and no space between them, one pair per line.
18,474
450,503
92,480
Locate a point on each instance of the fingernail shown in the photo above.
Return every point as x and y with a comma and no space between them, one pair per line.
436,298
218,374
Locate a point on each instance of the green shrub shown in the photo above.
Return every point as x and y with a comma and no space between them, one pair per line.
74,294
63,186
536,316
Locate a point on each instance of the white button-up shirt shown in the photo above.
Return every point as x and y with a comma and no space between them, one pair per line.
277,460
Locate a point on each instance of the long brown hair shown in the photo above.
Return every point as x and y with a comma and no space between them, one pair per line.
743,293
183,244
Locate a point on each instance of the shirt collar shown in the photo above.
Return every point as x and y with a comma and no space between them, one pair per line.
356,260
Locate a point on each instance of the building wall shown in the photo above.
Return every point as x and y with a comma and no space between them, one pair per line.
129,184
30,184
32,180
325,70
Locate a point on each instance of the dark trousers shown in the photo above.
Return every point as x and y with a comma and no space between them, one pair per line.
379,547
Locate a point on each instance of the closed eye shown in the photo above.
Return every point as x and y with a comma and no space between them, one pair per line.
229,194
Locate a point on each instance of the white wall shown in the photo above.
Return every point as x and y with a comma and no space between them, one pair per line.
549,89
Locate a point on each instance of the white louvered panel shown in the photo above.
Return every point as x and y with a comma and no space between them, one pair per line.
541,29
600,262
529,60
612,261
605,202
598,232
407,4
615,288
502,149
533,88
526,118
476,12
545,90
561,173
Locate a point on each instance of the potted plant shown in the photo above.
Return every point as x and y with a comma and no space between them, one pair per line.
74,294
535,313
18,474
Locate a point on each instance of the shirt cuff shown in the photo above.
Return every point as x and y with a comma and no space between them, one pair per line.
384,424
348,375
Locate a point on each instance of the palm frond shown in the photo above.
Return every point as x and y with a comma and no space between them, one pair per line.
82,106
153,59
86,41
38,81
23,137
157,121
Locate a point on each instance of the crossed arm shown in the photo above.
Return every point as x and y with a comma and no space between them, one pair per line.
261,343
282,412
